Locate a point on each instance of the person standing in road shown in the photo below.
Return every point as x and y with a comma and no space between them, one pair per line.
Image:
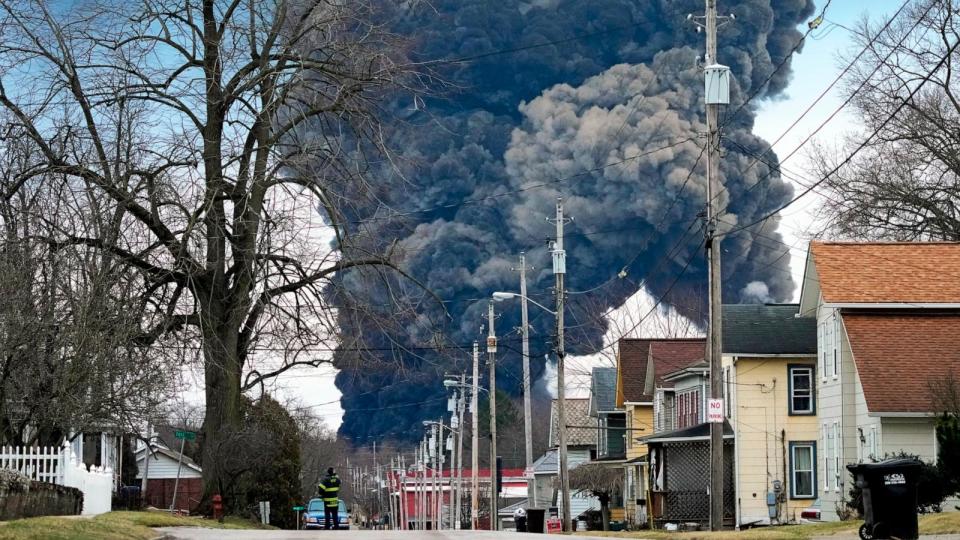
329,489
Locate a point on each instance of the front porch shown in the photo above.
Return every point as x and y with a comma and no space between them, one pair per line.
680,477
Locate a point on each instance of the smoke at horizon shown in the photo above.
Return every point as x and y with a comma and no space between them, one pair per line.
569,119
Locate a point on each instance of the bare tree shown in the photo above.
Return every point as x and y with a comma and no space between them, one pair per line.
216,130
69,356
601,481
904,183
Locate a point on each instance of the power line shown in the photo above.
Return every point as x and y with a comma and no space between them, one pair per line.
823,94
796,46
857,150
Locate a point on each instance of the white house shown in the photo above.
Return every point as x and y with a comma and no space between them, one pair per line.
162,473
888,325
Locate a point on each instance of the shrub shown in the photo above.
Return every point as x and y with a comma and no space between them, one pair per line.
13,482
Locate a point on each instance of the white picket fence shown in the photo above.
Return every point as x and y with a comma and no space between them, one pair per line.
60,466
44,464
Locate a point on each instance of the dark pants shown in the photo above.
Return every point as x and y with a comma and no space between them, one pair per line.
331,516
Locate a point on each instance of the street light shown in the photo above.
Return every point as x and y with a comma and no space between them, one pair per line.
500,296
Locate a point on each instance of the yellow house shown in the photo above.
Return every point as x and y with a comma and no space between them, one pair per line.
769,376
641,365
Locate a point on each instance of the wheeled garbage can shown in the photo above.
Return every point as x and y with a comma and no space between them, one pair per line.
536,520
889,491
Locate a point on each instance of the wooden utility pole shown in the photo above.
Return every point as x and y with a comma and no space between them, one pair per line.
559,270
524,321
492,362
461,403
715,335
475,443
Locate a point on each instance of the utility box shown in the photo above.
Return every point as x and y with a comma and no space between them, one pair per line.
717,84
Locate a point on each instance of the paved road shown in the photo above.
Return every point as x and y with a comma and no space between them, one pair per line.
184,533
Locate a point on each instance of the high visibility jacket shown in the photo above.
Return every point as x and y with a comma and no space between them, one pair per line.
330,491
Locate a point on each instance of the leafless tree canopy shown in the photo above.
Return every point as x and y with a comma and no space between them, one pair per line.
71,358
599,480
904,184
194,144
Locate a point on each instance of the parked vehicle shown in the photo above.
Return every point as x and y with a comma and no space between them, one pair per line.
314,517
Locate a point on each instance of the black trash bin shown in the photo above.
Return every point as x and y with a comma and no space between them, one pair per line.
536,520
889,490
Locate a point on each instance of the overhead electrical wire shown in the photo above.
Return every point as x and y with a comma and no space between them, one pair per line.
856,151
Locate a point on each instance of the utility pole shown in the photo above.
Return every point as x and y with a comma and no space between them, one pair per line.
527,420
475,443
717,85
462,404
492,361
559,269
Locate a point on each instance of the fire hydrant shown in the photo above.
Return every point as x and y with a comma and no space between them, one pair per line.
218,508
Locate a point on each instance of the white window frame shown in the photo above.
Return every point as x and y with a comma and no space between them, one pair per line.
836,345
812,446
822,348
837,445
875,444
828,447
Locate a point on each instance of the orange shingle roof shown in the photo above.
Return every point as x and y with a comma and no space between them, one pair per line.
892,272
899,354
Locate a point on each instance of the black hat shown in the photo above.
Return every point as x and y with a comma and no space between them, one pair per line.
330,471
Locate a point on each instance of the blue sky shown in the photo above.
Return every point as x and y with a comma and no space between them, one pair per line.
813,71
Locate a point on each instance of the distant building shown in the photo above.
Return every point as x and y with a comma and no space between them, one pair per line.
162,476
641,367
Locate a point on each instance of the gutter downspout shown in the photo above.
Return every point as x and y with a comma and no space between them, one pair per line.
736,440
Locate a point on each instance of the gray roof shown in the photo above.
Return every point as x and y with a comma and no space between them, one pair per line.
603,390
767,329
547,463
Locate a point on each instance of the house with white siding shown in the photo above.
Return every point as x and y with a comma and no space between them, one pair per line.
888,325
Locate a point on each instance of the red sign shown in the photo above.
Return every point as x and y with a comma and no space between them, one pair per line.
554,526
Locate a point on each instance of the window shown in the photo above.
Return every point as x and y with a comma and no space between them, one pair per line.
803,470
727,393
828,346
874,444
801,394
836,345
688,409
827,456
822,347
837,446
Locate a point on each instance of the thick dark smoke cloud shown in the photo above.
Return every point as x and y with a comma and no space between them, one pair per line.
546,116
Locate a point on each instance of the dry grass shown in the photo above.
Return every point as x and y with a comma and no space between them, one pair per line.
110,526
945,523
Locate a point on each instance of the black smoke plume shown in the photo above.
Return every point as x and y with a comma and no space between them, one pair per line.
523,127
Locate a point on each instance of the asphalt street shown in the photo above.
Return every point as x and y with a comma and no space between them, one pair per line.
183,533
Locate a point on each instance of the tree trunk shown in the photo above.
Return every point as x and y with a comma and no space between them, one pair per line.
605,512
223,413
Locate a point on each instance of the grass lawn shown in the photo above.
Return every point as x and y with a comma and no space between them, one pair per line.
110,526
946,523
